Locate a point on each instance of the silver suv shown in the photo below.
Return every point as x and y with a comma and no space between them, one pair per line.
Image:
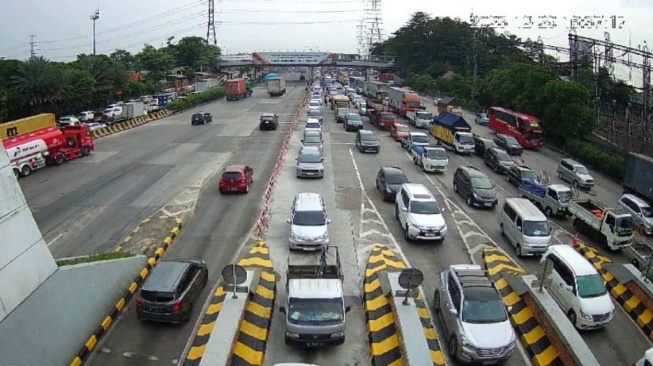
310,162
473,317
575,173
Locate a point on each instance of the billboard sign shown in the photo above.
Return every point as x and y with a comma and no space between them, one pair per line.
241,57
292,58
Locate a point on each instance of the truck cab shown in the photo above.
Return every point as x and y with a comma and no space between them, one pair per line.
463,142
415,138
420,118
613,227
315,303
430,158
552,199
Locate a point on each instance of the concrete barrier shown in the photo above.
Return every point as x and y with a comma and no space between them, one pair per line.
247,342
629,290
387,347
91,342
532,334
126,125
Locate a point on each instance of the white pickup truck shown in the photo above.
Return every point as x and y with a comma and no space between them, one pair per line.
420,119
414,138
430,158
613,227
552,199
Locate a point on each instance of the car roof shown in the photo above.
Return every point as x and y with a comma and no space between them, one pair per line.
473,172
392,170
640,202
418,133
309,201
497,149
312,132
526,208
268,115
315,288
571,162
312,120
365,132
310,150
573,259
418,191
522,167
165,276
234,168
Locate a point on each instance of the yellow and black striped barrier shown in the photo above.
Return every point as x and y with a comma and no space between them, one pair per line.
129,124
250,343
385,345
538,346
106,323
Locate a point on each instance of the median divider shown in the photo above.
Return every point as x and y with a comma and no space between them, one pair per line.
391,325
626,285
129,124
106,323
241,324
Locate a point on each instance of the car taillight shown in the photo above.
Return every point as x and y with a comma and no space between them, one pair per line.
138,302
176,306
260,120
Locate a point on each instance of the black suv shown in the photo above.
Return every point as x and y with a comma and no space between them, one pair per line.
509,143
498,160
475,187
366,141
353,122
170,291
201,118
388,180
517,174
481,144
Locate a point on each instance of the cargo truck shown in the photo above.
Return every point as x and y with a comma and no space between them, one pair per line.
133,110
638,177
380,116
315,303
236,89
612,227
51,145
26,125
552,199
403,101
454,132
339,101
430,158
276,86
376,89
420,118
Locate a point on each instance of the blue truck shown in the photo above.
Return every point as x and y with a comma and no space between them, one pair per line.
638,177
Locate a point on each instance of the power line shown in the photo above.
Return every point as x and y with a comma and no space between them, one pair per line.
292,23
292,11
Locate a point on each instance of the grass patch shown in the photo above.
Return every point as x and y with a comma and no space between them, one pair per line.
93,258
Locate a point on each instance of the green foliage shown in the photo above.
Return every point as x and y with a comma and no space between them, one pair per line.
156,61
193,100
93,258
588,153
4,112
566,111
195,53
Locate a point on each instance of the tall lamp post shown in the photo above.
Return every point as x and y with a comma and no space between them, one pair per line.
95,16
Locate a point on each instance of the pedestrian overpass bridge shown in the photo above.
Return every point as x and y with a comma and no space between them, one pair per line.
307,59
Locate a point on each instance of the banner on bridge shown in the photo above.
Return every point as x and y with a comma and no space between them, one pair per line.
244,57
292,58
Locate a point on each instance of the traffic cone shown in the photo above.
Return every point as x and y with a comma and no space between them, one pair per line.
574,240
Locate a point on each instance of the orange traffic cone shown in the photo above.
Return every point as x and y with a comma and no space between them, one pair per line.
574,240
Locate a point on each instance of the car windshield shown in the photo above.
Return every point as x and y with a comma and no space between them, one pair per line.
312,139
481,183
425,207
353,117
528,175
342,111
267,118
395,178
590,286
436,154
625,224
387,116
310,158
312,125
402,129
483,309
315,113
502,156
466,139
314,104
646,211
368,137
564,196
315,311
424,115
231,175
420,139
482,116
510,141
536,228
581,170
309,218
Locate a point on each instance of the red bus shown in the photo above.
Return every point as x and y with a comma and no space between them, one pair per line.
523,127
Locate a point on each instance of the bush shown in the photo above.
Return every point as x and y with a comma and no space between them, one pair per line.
192,100
590,154
93,258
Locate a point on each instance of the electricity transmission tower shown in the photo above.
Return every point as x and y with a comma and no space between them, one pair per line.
32,46
210,26
369,29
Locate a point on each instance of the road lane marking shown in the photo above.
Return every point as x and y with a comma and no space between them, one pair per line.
53,240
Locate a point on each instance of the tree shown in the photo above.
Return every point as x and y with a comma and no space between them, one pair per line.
4,111
566,112
124,59
195,53
38,81
157,62
78,88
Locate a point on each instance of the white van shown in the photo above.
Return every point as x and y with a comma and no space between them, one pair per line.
525,226
578,288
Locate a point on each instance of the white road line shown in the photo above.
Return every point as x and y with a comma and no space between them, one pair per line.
53,240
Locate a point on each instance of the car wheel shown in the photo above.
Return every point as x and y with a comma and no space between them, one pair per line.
560,175
572,317
25,171
397,212
503,232
508,178
455,187
453,346
436,301
497,168
406,234
247,188
518,250
469,201
576,184
548,211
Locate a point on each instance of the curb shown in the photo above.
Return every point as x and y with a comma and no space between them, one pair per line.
106,323
531,334
385,345
631,303
129,124
250,344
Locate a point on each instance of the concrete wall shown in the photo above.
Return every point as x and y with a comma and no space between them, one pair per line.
55,320
25,261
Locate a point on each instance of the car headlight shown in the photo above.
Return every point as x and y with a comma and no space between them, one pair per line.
338,335
323,236
292,335
476,196
292,235
387,189
465,343
585,315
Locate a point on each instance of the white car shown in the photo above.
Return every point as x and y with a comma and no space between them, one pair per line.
112,112
314,104
313,124
647,360
68,121
87,116
419,213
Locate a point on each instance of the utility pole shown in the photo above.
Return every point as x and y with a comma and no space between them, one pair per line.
32,46
210,26
95,16
475,65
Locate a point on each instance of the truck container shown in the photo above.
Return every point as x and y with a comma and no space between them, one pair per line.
450,105
276,86
133,110
339,101
403,101
638,177
377,89
26,125
51,145
454,132
552,199
386,77
315,303
430,158
380,115
236,89
612,227
420,118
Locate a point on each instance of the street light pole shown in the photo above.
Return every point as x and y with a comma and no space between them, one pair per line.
95,16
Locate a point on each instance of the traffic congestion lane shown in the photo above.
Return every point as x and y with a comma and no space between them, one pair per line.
612,345
88,205
217,230
342,201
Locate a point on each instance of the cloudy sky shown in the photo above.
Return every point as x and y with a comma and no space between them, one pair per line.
62,28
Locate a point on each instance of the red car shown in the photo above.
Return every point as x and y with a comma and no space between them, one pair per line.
236,178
